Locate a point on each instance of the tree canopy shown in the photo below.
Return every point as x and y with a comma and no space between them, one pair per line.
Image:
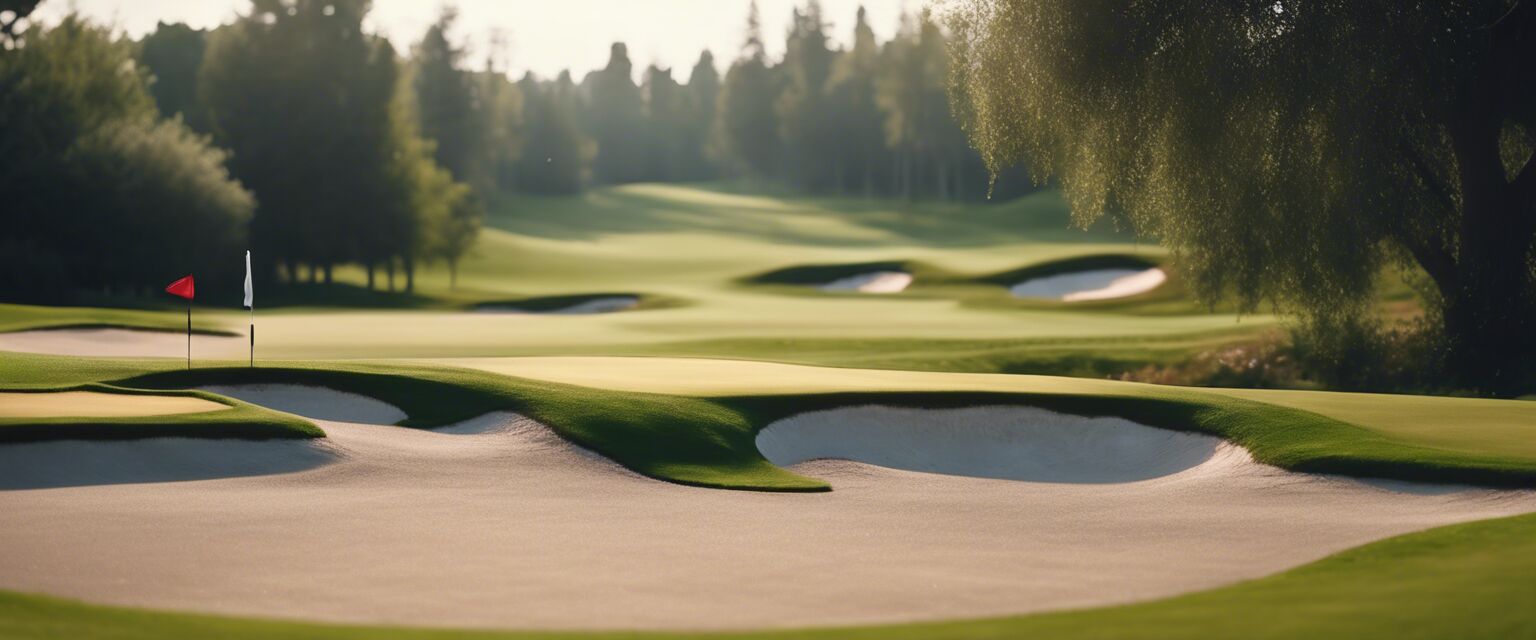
1287,150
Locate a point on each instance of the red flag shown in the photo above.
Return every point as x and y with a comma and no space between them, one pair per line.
182,287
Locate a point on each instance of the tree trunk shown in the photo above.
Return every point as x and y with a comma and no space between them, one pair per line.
369,267
389,270
328,279
410,275
1489,315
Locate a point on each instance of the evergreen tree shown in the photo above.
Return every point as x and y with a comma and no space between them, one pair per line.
802,108
615,119
666,117
695,136
748,125
445,97
555,155
860,157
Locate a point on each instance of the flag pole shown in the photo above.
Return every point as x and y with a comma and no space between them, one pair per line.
189,334
253,336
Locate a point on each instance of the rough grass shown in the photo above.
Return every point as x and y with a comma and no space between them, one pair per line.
1462,581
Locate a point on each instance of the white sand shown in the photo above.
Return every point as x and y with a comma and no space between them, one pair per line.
122,343
94,404
1012,443
873,282
606,304
504,525
1096,284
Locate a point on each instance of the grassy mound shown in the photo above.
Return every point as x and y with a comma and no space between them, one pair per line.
1071,265
240,420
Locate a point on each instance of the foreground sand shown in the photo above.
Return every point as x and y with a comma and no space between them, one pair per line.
497,523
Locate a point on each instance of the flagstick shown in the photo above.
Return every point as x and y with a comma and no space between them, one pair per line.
189,334
253,336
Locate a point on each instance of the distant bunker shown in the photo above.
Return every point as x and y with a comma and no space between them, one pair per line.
1087,278
565,305
868,277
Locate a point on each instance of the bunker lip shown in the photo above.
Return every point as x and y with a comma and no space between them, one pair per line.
313,402
999,442
863,277
565,305
1083,278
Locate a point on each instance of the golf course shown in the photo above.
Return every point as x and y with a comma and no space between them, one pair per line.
767,319
601,457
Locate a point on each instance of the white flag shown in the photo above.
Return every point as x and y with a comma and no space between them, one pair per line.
249,296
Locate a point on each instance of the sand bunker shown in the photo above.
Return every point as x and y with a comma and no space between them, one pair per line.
73,463
496,522
94,404
316,403
122,343
873,282
1096,284
1014,443
604,304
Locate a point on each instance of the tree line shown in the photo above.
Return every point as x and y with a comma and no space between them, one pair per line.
295,132
872,118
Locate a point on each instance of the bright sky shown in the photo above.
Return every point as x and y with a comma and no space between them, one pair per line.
544,36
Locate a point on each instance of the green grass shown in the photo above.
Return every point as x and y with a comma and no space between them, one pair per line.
1462,581
18,317
241,420
688,249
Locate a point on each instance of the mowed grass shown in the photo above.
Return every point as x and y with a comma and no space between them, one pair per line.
686,250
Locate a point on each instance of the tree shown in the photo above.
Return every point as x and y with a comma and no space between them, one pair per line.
748,125
445,98
556,156
855,114
1287,150
803,107
100,195
305,100
703,91
667,113
615,117
173,53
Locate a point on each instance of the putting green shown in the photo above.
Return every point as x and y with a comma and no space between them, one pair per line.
92,404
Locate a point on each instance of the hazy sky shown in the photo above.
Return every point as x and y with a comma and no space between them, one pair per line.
544,36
